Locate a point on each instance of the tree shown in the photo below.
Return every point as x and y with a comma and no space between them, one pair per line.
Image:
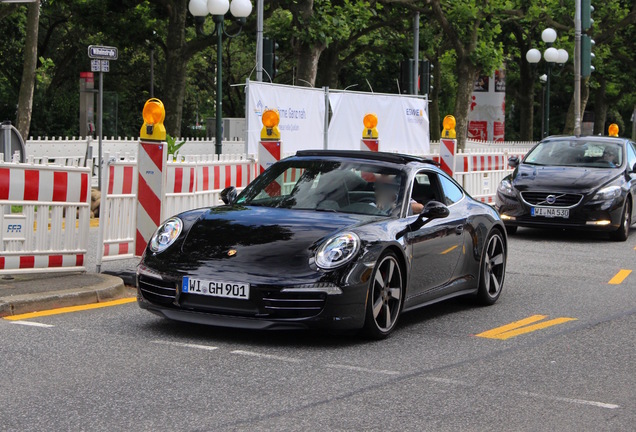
25,98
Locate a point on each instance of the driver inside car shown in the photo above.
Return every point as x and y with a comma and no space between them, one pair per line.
386,193
610,156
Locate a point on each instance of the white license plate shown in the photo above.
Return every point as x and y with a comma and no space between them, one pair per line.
550,212
215,288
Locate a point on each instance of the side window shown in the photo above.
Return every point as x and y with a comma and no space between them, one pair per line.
631,155
452,193
425,188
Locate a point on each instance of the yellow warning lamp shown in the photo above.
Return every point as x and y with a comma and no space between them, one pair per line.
613,130
154,113
270,119
370,122
449,127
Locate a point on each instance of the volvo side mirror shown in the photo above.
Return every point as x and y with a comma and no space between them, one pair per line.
513,161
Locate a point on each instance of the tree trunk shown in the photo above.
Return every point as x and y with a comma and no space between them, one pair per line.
526,101
308,56
25,98
328,67
465,83
600,107
433,107
176,63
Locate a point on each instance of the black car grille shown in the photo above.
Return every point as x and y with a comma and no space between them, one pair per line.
560,199
293,305
157,290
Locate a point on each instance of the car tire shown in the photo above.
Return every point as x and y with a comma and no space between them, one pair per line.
511,230
492,269
385,297
622,232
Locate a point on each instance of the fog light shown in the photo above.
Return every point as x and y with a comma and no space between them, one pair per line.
506,217
599,223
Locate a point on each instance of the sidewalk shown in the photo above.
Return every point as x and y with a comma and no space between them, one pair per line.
36,292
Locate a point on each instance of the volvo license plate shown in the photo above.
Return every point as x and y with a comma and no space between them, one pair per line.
216,288
550,212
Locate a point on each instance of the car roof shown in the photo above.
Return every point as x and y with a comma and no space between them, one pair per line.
617,140
396,158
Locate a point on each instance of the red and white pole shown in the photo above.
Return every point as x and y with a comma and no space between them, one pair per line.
448,146
270,147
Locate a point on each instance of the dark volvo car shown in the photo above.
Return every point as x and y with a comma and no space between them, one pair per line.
572,182
329,239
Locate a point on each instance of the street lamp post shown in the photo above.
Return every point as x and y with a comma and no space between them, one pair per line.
218,8
551,56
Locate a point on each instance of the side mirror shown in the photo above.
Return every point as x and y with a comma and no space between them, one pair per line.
432,210
513,161
228,195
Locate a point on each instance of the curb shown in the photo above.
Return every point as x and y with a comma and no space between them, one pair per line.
109,288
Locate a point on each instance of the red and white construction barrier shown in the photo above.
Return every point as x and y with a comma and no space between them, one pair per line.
447,152
270,152
50,233
151,188
371,144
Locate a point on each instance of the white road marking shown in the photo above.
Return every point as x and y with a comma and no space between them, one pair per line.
186,345
361,369
266,356
32,324
571,400
528,394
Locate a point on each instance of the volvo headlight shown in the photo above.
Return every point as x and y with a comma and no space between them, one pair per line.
607,193
166,234
505,187
338,250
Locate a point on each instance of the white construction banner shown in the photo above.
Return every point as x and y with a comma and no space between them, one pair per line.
402,122
486,119
302,115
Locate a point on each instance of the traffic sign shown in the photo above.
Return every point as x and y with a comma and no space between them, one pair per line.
105,66
95,65
102,52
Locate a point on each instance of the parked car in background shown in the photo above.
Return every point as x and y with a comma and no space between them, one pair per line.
586,182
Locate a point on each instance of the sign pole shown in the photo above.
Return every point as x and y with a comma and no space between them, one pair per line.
99,128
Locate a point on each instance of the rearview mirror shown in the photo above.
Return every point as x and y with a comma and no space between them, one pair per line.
228,195
513,161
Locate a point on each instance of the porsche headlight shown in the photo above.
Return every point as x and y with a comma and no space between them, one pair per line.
505,187
166,234
607,193
338,250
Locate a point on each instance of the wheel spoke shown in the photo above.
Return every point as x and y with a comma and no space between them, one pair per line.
496,285
377,307
387,312
390,272
379,279
497,260
493,244
395,293
487,276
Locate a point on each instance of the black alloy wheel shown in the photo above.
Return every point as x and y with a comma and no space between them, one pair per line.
493,269
385,298
622,232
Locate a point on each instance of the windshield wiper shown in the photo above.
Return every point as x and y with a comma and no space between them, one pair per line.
534,163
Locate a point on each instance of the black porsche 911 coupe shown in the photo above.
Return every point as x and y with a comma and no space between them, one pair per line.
586,182
326,239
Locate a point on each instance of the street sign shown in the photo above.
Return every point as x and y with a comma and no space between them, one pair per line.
105,66
102,52
95,65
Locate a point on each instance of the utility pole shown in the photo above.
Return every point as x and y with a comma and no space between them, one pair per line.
577,68
416,52
259,40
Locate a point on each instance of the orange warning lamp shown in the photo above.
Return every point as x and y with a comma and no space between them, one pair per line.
370,122
270,131
449,127
613,130
153,113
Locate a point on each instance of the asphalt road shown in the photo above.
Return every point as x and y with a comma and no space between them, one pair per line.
569,365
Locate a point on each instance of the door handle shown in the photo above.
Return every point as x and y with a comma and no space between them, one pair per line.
459,229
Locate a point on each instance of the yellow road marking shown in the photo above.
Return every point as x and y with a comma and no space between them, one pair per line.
522,326
71,309
620,277
448,250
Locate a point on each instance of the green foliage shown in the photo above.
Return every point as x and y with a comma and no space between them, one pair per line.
173,145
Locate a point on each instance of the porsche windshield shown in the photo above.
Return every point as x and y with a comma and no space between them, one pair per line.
328,185
577,153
